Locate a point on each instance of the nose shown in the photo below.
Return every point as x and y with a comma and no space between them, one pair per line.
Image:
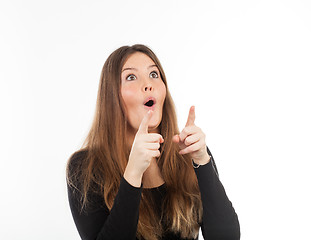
148,86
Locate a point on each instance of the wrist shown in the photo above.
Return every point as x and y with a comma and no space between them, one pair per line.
132,177
203,161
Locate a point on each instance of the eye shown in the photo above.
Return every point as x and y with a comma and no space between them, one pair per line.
154,74
131,77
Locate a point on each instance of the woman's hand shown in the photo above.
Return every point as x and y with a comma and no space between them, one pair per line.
145,147
192,140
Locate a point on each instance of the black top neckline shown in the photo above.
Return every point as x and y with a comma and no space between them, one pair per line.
155,188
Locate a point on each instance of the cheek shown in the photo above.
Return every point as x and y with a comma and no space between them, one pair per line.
128,94
163,91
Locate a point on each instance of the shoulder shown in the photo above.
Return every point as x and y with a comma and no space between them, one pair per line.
76,159
78,155
75,165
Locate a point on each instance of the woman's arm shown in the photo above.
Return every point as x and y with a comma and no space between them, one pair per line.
219,218
96,222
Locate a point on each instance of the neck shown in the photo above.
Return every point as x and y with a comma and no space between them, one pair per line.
152,176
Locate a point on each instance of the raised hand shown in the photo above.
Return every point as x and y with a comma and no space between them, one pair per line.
192,140
145,147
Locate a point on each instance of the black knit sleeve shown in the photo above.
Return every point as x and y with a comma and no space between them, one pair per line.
97,222
219,218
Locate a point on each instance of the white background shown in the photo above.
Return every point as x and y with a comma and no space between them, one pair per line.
245,65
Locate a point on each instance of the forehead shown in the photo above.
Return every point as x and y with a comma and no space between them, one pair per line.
138,59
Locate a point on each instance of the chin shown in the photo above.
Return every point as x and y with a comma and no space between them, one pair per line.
153,127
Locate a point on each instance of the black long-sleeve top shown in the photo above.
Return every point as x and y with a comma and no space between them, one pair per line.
220,222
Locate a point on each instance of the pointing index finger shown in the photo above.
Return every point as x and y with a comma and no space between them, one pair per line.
191,116
143,127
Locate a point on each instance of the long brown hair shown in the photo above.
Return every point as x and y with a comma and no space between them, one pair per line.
107,154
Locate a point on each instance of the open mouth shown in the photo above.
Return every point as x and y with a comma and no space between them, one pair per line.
150,103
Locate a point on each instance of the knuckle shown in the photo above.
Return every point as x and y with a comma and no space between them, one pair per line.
160,137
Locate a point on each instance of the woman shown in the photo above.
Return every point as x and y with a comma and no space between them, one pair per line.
137,176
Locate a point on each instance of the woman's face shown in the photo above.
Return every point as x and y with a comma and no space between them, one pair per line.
140,79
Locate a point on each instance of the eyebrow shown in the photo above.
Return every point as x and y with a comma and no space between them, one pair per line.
136,68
